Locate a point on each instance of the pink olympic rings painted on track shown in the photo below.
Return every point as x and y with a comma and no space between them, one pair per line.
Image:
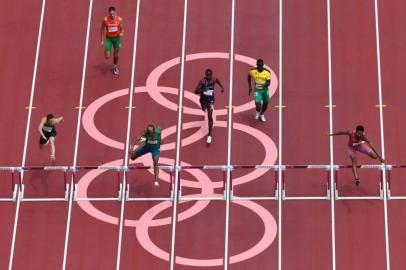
203,183
270,230
154,90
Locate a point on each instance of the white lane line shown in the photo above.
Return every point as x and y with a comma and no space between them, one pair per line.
130,105
229,131
330,100
75,155
385,201
178,138
280,140
27,130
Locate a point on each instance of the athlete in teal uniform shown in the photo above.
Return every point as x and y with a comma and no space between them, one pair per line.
150,143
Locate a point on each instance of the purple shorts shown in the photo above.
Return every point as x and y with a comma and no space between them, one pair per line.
362,148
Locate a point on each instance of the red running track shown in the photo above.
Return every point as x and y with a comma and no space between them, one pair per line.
306,225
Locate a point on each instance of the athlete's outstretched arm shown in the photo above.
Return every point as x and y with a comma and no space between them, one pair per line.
219,83
41,124
339,133
249,84
58,120
199,88
122,27
102,31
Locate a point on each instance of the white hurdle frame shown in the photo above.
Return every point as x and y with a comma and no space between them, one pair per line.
18,188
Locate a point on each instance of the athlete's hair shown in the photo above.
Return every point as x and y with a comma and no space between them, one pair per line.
208,70
112,9
260,62
50,116
151,126
359,128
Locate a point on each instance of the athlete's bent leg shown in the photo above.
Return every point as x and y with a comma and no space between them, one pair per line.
210,118
264,107
115,60
354,168
156,170
52,142
107,55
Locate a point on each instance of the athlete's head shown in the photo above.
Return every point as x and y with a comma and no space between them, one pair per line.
50,117
150,129
112,11
260,64
359,130
209,74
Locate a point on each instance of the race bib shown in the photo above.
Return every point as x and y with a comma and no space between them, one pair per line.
47,129
153,141
208,92
357,143
112,29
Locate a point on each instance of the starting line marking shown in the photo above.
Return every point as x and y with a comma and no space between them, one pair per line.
30,108
280,106
80,107
330,106
128,107
381,105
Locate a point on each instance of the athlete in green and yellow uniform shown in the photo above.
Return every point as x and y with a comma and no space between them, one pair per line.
262,80
150,143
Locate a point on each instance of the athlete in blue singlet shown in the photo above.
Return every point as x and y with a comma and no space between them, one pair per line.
205,89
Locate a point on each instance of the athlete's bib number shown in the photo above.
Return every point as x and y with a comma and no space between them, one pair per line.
357,143
208,92
152,141
112,29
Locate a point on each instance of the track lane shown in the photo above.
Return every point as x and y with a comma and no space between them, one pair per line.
53,81
208,30
306,224
86,232
15,80
152,51
256,36
393,58
360,224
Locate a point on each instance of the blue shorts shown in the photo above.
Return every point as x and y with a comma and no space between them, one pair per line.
142,150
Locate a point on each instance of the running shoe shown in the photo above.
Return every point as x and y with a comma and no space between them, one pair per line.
115,70
263,119
209,138
156,184
357,181
257,114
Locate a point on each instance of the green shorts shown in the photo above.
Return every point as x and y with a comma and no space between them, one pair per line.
112,42
261,95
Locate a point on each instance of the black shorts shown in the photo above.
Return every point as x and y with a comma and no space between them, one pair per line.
47,135
207,104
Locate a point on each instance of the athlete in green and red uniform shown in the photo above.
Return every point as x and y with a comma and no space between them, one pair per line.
150,143
111,32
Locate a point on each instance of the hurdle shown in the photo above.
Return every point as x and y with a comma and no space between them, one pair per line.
18,188
15,172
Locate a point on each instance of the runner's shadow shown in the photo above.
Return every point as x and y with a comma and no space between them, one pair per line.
141,189
102,68
38,180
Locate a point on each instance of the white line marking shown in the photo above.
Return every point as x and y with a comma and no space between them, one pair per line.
229,131
75,155
27,131
385,201
130,105
280,141
330,101
178,139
